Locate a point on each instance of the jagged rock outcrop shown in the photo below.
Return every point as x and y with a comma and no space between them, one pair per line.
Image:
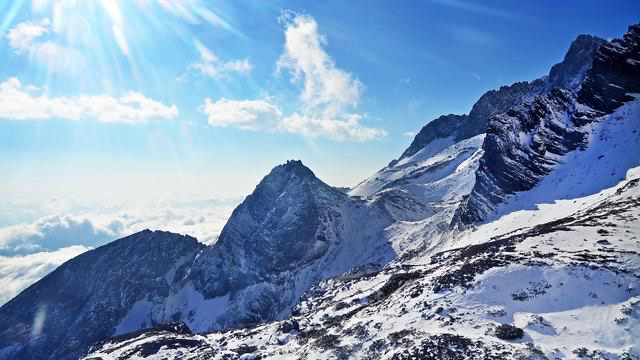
615,73
569,73
523,144
520,148
432,171
83,300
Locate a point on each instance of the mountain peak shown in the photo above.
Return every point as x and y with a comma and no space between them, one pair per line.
296,165
292,170
569,73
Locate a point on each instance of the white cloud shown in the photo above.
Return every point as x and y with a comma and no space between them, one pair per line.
23,36
54,232
63,226
29,251
410,134
26,38
19,272
326,97
348,128
210,66
18,102
325,87
244,114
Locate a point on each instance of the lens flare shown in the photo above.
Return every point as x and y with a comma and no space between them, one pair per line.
38,321
112,43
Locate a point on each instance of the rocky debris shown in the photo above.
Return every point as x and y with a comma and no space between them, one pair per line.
289,326
176,327
508,332
535,288
245,349
447,347
393,284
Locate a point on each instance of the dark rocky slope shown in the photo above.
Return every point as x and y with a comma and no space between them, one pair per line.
523,144
83,300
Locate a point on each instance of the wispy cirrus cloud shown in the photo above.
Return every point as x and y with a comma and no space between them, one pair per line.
481,9
473,36
211,66
326,99
18,102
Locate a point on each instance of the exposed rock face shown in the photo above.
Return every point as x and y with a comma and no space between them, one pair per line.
434,169
442,127
615,73
569,73
523,144
520,148
83,300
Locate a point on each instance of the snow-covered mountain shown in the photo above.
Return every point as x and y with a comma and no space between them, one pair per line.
83,300
508,233
563,289
290,233
447,130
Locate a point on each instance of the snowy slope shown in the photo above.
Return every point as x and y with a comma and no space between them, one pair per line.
292,232
570,285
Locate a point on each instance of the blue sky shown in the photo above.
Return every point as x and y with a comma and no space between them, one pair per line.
115,92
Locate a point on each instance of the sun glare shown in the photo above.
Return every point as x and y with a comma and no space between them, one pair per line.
101,37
